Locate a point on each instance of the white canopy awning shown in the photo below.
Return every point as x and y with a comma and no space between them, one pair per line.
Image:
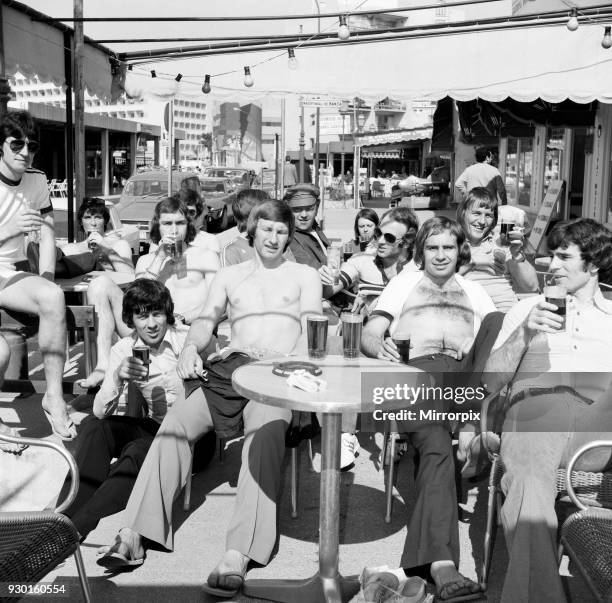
547,62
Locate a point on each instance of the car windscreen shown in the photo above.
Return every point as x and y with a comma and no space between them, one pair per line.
150,187
212,187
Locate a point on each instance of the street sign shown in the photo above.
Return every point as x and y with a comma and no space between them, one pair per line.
320,101
553,194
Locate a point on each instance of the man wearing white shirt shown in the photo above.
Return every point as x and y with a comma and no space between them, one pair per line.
482,173
451,324
560,398
104,488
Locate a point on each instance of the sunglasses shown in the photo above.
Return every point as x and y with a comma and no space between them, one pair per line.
192,213
299,210
18,144
387,236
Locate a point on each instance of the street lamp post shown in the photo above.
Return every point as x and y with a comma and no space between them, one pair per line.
344,111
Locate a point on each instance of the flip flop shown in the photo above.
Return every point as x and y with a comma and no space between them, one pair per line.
115,560
225,593
461,595
69,426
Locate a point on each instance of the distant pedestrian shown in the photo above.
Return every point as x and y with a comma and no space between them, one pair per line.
482,173
290,176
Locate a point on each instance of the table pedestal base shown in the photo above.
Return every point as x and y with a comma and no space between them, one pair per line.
311,590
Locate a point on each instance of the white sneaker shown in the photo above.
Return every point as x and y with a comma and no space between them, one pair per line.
349,447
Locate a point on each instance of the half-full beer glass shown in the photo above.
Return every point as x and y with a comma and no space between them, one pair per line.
351,334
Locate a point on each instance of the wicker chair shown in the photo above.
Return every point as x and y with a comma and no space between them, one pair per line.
586,536
32,543
595,490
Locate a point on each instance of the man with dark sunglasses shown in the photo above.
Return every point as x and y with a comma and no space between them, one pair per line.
394,243
26,213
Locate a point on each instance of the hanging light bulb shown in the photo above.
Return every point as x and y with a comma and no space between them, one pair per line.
179,77
153,74
248,78
344,33
572,22
206,86
607,39
293,63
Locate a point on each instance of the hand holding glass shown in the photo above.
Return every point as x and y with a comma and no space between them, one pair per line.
556,295
334,259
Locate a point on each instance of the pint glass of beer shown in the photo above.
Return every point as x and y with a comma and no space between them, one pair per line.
351,334
316,331
556,294
142,352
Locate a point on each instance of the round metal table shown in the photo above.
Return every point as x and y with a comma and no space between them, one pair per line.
343,394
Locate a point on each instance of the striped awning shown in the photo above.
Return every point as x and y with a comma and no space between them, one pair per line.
393,154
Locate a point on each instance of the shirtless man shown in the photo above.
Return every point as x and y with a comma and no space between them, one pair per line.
285,293
187,277
451,324
26,210
110,251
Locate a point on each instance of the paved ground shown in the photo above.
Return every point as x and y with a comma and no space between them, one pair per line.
33,481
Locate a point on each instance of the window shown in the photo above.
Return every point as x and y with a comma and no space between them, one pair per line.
519,168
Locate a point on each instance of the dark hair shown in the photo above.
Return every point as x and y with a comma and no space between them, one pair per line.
277,211
367,214
404,216
435,226
482,153
592,238
96,207
171,205
479,196
190,197
19,124
244,202
146,295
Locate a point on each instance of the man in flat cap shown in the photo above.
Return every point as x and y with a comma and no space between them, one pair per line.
309,244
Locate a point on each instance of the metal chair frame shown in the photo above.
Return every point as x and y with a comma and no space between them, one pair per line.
36,573
595,490
585,535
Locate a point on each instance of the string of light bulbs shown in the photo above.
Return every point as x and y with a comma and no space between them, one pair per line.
343,34
573,23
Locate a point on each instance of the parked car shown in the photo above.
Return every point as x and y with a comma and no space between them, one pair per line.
218,194
240,177
144,190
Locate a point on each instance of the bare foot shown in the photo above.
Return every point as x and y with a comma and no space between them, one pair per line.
93,380
450,583
56,412
9,446
230,571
